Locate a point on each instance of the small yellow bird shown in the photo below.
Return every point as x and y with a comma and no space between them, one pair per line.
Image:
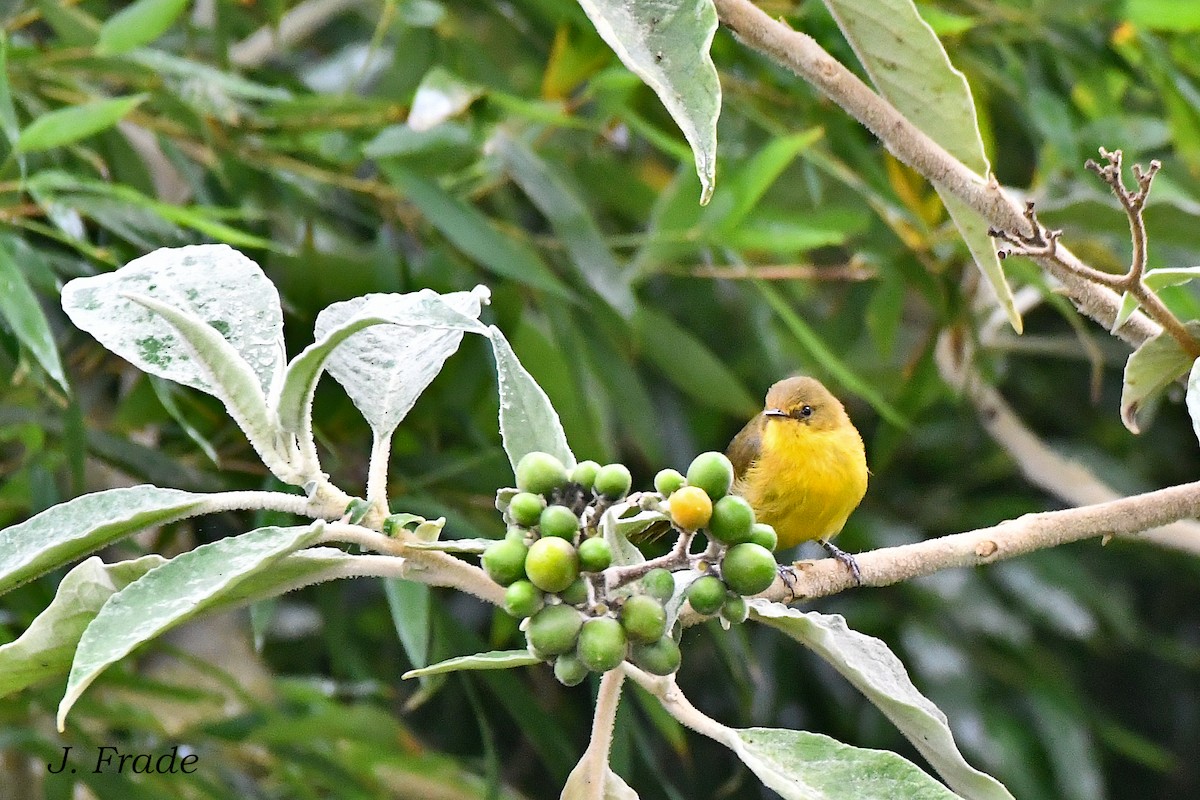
800,464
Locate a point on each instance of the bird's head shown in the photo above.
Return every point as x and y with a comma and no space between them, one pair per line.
805,401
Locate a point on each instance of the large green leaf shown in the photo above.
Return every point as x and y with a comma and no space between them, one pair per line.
472,232
19,307
1159,362
66,125
809,766
909,67
136,24
667,46
184,587
47,646
876,672
67,531
528,421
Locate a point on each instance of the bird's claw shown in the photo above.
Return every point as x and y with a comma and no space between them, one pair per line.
787,574
845,558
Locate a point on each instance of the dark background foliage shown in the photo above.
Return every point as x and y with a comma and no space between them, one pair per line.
1070,673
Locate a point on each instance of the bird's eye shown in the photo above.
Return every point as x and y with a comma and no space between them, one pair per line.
805,412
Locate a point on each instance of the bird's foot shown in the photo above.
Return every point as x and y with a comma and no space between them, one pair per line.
787,574
844,557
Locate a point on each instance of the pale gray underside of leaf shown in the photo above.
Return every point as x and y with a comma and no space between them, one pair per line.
1193,397
172,593
497,659
214,282
876,672
1159,362
385,368
69,530
528,421
667,44
809,766
45,649
909,67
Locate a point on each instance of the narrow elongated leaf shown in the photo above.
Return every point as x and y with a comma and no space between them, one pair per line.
182,588
47,646
213,282
876,672
1193,397
66,125
528,421
136,24
908,65
571,220
20,309
667,46
384,368
809,766
80,526
472,232
408,603
690,364
497,659
1159,362
750,183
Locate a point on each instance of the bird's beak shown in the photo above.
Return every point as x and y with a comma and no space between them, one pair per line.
774,412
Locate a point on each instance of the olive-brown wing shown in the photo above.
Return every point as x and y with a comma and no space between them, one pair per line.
744,450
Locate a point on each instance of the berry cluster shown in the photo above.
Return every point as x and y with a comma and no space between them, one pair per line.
585,611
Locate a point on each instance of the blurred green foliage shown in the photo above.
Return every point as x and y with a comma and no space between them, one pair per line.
558,179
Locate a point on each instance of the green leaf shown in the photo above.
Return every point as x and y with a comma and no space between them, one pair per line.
571,220
67,531
528,421
876,672
690,364
472,233
66,125
750,183
1159,362
667,46
1163,15
184,587
408,603
46,647
809,766
909,67
816,348
136,24
1193,397
213,282
8,112
383,367
20,308
497,659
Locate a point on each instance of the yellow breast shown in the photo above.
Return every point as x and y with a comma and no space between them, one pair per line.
806,482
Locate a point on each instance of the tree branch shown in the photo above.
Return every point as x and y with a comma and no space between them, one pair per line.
888,565
801,53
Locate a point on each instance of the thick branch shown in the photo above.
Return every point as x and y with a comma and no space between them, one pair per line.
801,53
1023,535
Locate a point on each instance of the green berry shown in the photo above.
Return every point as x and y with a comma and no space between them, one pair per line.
522,599
735,609
748,568
601,644
554,630
613,480
732,519
558,521
707,595
764,535
594,555
660,657
659,584
552,564
525,508
668,480
517,534
540,473
504,561
644,618
585,473
712,472
576,593
569,670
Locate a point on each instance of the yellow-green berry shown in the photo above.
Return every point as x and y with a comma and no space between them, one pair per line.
522,599
504,561
644,618
660,657
601,645
525,508
552,564
712,472
732,519
585,473
706,595
748,568
659,584
540,473
554,630
668,480
576,593
558,521
594,555
613,481
764,535
735,609
691,508
569,670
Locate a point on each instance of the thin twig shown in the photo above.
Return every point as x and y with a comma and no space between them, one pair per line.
591,774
